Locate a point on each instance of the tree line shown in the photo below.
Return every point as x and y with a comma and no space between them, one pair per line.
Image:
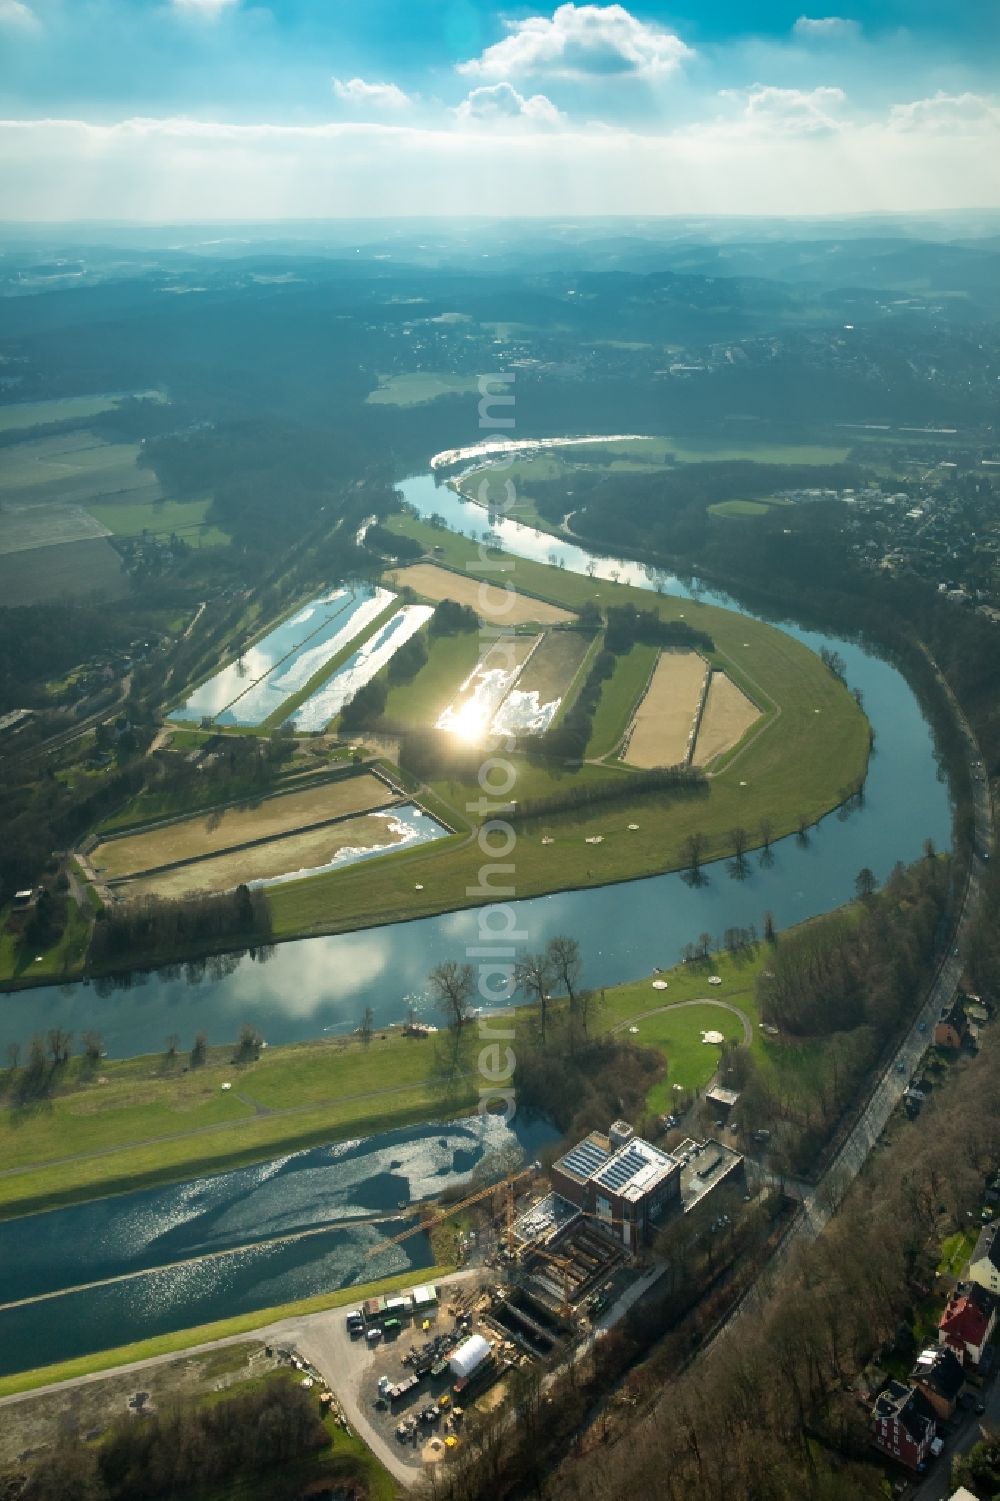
155,925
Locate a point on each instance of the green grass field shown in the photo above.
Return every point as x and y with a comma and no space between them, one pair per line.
418,703
419,386
64,568
18,960
739,508
160,518
152,1121
619,696
25,414
73,468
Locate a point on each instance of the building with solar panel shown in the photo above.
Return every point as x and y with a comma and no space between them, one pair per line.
620,1180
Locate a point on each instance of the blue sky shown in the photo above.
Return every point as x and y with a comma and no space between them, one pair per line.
168,109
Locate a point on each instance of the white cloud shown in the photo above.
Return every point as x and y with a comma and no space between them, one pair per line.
501,101
769,110
581,41
205,10
953,114
16,13
826,28
371,95
178,169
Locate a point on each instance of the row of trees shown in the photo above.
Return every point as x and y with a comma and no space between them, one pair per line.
155,925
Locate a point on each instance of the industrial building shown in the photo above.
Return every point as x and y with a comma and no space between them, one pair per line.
622,1181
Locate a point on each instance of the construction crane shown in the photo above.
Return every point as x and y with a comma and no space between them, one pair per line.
505,1185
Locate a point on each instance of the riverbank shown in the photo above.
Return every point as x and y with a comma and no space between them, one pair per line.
134,1123
164,1345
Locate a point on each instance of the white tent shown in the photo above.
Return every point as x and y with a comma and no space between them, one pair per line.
469,1355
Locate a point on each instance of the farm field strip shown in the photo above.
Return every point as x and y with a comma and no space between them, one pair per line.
727,717
486,687
16,415
72,468
248,690
293,857
661,730
533,702
26,527
436,584
221,830
326,703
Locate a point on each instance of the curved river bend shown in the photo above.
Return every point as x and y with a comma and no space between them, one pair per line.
320,985
170,1258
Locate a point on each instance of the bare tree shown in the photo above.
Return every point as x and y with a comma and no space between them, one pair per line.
740,839
692,851
533,976
452,987
93,1046
199,1051
367,1027
564,956
59,1043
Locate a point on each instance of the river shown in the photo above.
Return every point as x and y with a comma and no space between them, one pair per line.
322,985
187,1254
302,1223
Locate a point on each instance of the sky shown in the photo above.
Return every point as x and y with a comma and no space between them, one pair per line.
187,110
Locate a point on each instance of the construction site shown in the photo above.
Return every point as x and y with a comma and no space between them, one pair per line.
550,1260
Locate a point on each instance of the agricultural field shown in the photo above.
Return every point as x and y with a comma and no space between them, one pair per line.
289,855
472,709
160,518
73,469
728,715
24,414
660,734
63,568
224,828
419,386
436,584
26,527
534,701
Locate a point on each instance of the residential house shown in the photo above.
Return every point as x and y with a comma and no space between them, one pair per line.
903,1425
939,1377
968,1321
984,1263
951,1028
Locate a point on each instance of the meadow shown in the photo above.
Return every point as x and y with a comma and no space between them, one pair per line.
419,386
160,518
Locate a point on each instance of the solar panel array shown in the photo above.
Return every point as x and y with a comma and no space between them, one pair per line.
584,1159
623,1169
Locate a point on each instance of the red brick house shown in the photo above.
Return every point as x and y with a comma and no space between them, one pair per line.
951,1028
939,1377
903,1425
968,1321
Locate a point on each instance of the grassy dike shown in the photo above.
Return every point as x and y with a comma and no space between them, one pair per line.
203,1334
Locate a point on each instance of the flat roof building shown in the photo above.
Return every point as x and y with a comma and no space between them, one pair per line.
620,1180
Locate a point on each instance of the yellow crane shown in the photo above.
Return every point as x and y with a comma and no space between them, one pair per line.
505,1185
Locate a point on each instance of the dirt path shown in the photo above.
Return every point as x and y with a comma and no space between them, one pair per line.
680,1005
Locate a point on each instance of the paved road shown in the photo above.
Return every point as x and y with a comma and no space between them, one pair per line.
966,1432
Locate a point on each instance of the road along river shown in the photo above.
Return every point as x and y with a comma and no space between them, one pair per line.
321,985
